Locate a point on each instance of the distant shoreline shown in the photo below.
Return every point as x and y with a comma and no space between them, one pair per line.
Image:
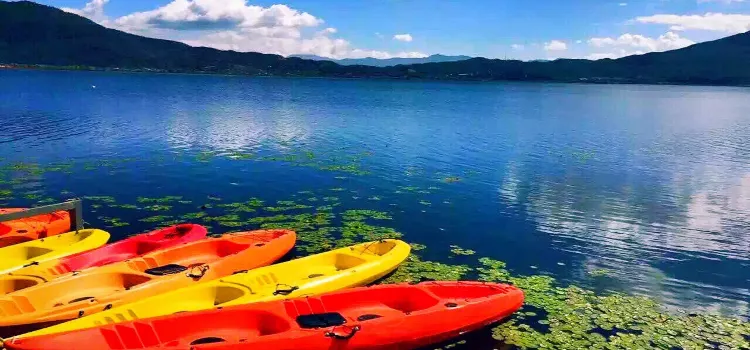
582,81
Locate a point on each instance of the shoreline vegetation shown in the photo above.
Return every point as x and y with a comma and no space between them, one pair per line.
37,36
592,81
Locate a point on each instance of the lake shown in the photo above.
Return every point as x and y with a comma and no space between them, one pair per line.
637,189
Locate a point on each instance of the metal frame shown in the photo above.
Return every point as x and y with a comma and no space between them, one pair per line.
74,207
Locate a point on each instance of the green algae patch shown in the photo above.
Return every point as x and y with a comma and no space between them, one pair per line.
113,222
157,207
240,155
360,215
451,179
286,206
157,218
193,216
123,206
576,318
456,250
599,273
414,269
162,200
6,193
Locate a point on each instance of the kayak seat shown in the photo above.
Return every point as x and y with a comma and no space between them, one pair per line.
15,284
169,269
321,320
409,300
33,252
346,261
146,247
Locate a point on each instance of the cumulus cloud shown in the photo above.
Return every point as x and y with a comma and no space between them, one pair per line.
517,47
235,25
720,22
634,44
93,10
555,45
403,37
208,14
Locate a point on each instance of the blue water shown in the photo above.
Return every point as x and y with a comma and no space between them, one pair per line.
651,183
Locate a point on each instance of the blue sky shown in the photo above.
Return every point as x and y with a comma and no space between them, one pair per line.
541,29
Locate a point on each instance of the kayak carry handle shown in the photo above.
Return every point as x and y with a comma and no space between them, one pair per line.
333,334
201,268
286,291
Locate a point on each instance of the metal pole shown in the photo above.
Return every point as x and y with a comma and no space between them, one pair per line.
74,207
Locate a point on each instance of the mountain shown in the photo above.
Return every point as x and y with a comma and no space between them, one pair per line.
39,35
377,62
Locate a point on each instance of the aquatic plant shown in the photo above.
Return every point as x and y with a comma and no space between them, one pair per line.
157,207
123,206
451,179
113,222
460,251
193,216
162,200
576,318
414,269
157,218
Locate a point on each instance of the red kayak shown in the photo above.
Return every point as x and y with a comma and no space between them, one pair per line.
111,253
36,227
399,316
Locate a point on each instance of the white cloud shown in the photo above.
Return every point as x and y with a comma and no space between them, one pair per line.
403,37
517,47
623,4
208,14
235,25
380,36
634,44
555,45
93,10
720,22
579,41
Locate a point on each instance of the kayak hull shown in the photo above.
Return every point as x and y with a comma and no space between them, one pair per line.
400,316
95,290
39,251
128,248
321,273
29,229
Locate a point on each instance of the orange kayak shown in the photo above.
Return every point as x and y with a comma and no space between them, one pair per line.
102,288
35,227
399,316
128,248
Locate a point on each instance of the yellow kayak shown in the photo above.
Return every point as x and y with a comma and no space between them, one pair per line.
316,274
50,248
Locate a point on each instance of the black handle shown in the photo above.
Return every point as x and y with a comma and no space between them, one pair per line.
334,335
284,291
201,268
